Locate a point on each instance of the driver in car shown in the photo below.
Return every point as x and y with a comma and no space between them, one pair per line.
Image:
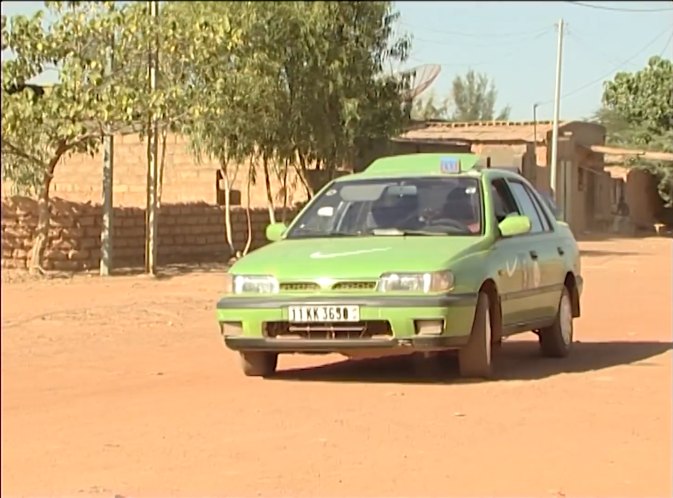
459,206
400,212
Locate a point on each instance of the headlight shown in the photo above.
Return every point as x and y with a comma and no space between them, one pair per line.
255,284
440,281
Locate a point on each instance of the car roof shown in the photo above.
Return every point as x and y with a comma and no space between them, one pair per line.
430,164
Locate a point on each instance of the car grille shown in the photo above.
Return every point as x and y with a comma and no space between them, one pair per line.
354,286
357,330
346,286
299,287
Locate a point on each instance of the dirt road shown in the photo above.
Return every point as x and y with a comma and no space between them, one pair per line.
122,386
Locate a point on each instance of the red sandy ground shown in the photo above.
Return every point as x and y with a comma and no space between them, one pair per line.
122,386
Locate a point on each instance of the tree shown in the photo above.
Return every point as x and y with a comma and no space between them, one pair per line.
189,41
305,87
474,97
88,101
638,112
643,98
364,104
431,108
222,90
71,116
291,84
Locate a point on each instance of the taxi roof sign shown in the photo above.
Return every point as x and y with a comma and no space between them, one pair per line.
419,164
449,165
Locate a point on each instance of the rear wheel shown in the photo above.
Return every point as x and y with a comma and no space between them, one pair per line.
475,359
258,363
556,340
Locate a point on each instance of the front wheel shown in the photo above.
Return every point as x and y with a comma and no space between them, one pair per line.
556,340
258,363
475,359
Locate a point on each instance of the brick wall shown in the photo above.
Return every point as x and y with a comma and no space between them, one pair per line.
188,232
78,178
191,224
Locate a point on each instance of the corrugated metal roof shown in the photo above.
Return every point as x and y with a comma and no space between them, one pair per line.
481,131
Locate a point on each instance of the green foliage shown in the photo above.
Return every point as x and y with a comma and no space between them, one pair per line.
293,83
431,108
306,80
190,42
643,98
303,85
474,97
39,128
638,112
68,117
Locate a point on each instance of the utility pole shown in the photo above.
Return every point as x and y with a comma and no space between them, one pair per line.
152,153
557,105
535,106
108,166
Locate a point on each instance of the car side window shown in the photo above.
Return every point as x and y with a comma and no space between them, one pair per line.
503,202
528,207
544,207
546,223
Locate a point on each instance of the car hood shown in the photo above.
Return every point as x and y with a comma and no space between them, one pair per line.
354,257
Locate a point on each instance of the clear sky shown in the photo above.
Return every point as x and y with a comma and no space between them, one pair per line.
515,44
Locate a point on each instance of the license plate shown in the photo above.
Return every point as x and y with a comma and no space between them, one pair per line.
304,314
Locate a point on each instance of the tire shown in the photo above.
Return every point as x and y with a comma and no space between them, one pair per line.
476,358
556,340
258,364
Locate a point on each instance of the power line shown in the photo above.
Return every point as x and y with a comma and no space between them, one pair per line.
616,9
667,44
483,62
586,45
612,71
513,41
481,35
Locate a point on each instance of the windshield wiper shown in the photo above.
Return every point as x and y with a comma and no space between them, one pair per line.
396,232
337,233
319,235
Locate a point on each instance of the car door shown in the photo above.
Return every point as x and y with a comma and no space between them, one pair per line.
511,257
560,248
541,285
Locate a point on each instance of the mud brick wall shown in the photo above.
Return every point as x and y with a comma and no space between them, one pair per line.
189,232
79,177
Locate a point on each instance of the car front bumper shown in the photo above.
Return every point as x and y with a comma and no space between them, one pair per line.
243,322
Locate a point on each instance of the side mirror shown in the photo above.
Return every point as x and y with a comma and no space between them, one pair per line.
275,231
515,225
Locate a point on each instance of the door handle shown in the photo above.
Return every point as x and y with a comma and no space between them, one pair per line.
533,254
560,251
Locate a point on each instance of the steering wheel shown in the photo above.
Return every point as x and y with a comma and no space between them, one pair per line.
449,222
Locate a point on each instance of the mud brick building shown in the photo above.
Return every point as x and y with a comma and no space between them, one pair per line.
191,221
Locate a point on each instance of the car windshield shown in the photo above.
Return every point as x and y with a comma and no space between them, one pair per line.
406,206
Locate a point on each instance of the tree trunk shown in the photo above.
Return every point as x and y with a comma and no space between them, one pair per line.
285,171
227,213
43,218
248,241
162,165
301,171
330,171
269,195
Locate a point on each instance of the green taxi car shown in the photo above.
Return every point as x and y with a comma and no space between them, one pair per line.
418,253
